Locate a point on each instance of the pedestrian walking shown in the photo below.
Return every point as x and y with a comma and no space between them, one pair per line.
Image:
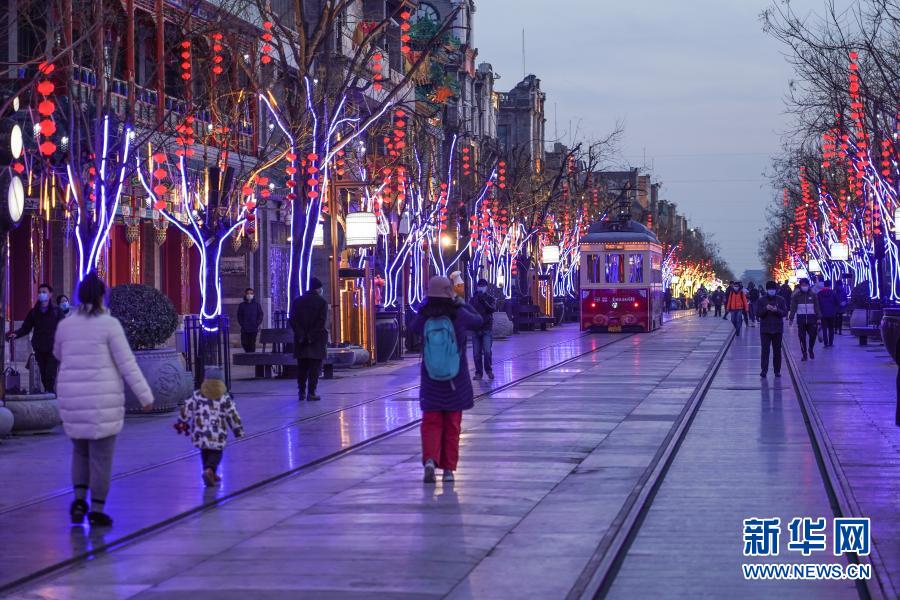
95,357
805,307
771,310
445,389
308,316
841,290
817,283
828,306
65,307
704,306
667,298
206,417
736,306
483,337
250,318
753,295
786,292
41,322
718,299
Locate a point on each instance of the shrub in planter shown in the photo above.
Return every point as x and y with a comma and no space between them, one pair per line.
149,320
146,314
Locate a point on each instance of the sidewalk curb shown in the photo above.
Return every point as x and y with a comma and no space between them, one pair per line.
843,502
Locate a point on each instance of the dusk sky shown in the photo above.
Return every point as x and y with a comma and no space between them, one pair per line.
698,85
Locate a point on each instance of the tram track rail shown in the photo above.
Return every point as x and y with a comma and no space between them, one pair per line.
598,575
106,547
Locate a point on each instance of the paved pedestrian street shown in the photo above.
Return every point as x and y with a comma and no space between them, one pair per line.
551,467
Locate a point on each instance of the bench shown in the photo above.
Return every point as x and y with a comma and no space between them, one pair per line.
529,316
865,324
280,354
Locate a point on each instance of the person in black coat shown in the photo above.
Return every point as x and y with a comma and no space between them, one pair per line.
483,337
42,320
250,317
771,310
308,318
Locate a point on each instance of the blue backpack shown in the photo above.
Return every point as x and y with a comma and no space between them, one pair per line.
441,354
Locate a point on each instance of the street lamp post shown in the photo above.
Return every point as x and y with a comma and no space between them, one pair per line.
12,207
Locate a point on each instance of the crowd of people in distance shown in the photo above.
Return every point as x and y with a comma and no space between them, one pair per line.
815,304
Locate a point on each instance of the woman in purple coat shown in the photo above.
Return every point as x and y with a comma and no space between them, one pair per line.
442,402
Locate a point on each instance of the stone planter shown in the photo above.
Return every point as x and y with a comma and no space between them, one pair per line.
164,370
503,326
33,413
6,421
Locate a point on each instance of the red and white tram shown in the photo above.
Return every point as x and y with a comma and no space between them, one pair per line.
621,278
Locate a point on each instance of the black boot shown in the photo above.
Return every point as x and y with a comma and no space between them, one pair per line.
77,510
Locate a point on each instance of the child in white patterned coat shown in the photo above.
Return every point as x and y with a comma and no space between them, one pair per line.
206,417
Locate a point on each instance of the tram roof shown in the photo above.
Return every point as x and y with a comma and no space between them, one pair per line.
614,231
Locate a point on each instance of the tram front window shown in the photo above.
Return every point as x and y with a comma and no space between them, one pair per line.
636,268
615,268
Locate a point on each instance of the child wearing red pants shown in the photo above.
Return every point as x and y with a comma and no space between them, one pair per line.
446,387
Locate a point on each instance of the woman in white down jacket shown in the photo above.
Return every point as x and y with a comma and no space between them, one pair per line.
95,358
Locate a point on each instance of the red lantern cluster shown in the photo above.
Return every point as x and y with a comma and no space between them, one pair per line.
398,142
377,67
404,31
466,161
159,176
217,54
312,171
291,171
442,200
501,174
857,112
46,108
266,47
186,60
185,136
886,151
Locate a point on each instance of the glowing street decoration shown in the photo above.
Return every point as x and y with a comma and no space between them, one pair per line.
97,231
362,229
550,255
839,251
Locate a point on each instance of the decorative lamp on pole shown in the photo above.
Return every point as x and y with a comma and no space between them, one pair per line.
357,305
12,207
550,255
362,229
839,251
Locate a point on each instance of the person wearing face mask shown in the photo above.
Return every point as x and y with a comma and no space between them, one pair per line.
41,322
771,310
62,301
308,317
482,340
250,318
736,306
828,307
805,306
